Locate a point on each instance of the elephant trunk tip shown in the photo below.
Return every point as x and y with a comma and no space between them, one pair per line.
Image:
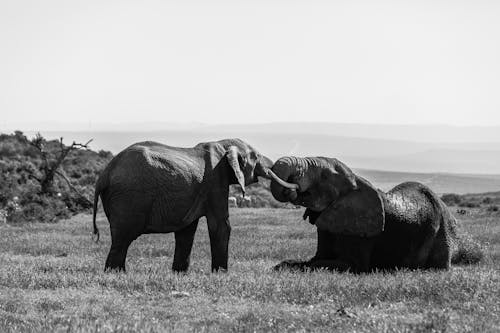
96,236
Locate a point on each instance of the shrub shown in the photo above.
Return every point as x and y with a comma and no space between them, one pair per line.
469,251
487,200
492,208
451,199
37,208
469,204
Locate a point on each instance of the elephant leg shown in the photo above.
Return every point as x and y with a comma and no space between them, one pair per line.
359,265
183,245
326,245
117,255
342,253
421,255
440,256
219,231
365,251
125,228
325,250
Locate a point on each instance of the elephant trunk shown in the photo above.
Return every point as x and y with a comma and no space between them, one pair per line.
263,169
283,170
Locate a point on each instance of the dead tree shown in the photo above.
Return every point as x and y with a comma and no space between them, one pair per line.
52,161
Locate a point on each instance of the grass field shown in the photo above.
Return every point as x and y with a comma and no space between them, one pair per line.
51,279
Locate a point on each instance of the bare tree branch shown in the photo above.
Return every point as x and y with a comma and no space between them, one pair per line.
52,161
63,176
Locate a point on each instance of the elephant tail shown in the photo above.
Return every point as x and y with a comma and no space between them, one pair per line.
468,251
98,189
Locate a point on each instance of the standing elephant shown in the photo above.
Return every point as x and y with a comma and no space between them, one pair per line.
361,228
153,188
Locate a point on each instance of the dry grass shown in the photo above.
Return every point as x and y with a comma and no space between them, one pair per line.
51,279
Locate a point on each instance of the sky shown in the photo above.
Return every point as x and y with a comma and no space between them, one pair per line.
219,62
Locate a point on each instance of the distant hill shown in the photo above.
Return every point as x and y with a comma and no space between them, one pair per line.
438,182
443,134
469,137
376,147
385,180
447,158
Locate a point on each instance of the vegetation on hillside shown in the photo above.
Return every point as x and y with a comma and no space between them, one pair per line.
44,180
490,200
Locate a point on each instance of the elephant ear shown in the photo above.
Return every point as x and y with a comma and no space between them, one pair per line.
232,155
360,212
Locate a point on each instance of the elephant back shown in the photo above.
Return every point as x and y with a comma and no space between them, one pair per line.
153,164
159,181
413,204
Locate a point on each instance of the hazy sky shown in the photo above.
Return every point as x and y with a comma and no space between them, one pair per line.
250,61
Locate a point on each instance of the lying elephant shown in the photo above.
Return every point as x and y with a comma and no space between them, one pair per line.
153,188
361,228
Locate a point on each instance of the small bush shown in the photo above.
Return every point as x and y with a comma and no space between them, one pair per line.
492,208
39,209
469,204
451,199
487,200
469,251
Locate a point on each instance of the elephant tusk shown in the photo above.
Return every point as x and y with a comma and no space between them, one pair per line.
281,181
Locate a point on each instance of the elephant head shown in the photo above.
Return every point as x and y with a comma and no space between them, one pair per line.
346,203
247,163
229,161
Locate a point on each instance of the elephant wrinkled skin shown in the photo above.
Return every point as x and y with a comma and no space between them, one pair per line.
154,188
361,228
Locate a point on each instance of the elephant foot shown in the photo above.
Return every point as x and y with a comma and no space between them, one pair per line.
219,270
292,265
117,255
116,269
180,270
180,267
335,265
313,265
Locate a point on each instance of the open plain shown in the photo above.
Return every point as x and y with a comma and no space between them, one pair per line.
52,279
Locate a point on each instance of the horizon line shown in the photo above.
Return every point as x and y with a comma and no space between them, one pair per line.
89,125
